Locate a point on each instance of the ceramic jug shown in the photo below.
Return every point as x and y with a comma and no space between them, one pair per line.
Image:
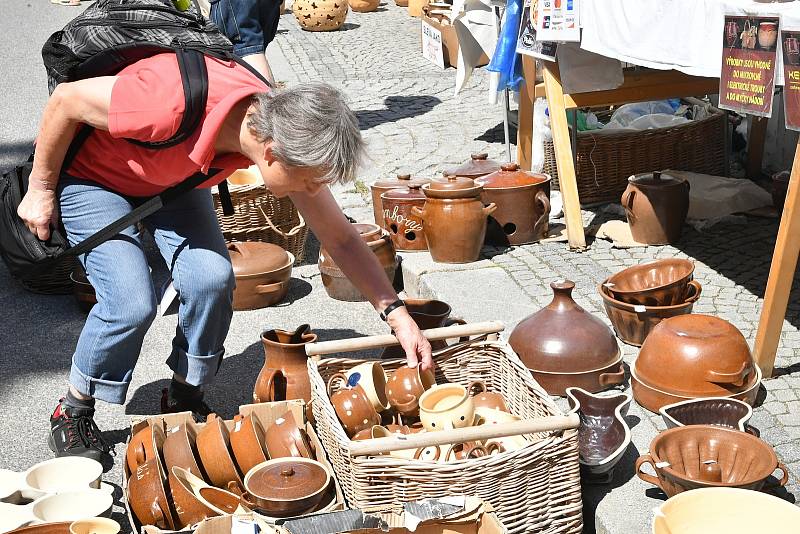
427,314
656,206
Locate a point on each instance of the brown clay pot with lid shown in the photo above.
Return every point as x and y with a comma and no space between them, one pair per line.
477,166
564,346
285,487
387,184
523,205
656,206
337,285
454,218
262,271
405,228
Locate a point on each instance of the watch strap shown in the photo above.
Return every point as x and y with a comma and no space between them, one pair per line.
390,308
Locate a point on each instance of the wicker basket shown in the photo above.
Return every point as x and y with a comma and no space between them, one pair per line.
533,489
606,160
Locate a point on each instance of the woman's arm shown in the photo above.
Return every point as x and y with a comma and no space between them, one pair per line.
85,101
362,268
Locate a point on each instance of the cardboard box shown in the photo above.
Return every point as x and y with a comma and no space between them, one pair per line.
449,39
267,413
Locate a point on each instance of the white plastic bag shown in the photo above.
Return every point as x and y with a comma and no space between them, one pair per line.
541,133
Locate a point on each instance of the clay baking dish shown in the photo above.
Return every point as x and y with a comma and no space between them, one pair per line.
703,456
696,355
633,322
728,413
657,283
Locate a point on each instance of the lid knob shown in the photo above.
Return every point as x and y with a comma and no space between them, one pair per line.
657,176
562,286
403,176
451,178
414,187
287,472
481,156
509,166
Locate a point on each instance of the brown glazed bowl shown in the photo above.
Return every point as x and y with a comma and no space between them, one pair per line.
705,456
140,448
405,386
696,355
216,500
262,272
285,487
632,322
180,450
213,445
189,509
284,438
656,283
147,495
247,442
724,412
353,407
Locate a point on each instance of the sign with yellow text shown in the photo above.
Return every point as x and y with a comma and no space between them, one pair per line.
790,41
748,64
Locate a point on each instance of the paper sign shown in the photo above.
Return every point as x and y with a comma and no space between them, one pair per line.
557,20
528,44
748,64
432,44
790,41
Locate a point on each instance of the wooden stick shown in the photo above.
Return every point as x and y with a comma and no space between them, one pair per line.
781,274
525,117
387,340
553,423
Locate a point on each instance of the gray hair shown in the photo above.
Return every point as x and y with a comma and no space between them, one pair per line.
310,125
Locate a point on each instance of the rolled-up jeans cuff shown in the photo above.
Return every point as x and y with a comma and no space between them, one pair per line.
98,388
194,369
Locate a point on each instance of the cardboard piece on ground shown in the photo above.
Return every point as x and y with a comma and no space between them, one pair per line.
618,232
711,197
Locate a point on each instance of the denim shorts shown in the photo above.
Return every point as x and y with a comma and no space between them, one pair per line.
250,24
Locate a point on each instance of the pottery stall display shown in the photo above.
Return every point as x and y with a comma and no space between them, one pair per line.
523,205
262,271
702,456
662,282
725,510
633,322
454,219
286,487
656,206
82,289
68,506
427,314
691,356
563,345
381,186
405,228
337,285
477,166
724,412
604,435
320,15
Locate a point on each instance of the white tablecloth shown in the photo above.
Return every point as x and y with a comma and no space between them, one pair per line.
684,35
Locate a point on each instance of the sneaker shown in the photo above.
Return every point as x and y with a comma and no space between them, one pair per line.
196,405
73,432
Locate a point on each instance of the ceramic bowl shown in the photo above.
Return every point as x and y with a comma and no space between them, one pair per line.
147,495
215,501
140,448
353,407
405,386
285,438
445,407
286,487
72,505
701,456
94,525
213,445
180,449
725,412
483,398
371,377
632,322
189,508
247,442
656,283
725,510
57,475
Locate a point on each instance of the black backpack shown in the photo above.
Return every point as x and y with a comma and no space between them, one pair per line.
108,36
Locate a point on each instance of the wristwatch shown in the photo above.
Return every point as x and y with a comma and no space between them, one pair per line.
390,308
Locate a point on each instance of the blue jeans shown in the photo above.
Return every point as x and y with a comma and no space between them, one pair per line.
250,24
190,241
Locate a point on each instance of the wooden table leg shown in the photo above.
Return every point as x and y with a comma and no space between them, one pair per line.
756,133
563,151
781,274
525,120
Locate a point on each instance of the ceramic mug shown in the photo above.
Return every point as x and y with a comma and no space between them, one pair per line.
483,398
495,417
371,377
94,525
405,386
471,449
352,406
445,407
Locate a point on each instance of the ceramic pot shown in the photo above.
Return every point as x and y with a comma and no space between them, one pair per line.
189,509
262,271
337,285
371,377
656,283
405,228
603,435
286,487
82,289
564,345
214,501
656,206
780,185
427,314
364,6
405,386
352,406
285,438
767,35
379,187
213,445
180,450
147,495
696,356
632,323
320,15
445,407
702,456
285,373
140,448
724,412
94,525
483,398
523,205
477,166
247,442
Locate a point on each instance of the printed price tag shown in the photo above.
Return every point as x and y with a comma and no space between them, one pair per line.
432,45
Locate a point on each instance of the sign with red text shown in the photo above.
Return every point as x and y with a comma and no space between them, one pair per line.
790,42
432,45
748,64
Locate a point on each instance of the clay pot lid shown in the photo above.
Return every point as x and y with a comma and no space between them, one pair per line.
412,192
696,355
401,180
288,479
562,337
656,179
478,165
452,186
510,175
255,258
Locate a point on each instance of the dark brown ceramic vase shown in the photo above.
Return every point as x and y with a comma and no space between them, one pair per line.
381,186
337,285
656,206
523,205
405,228
564,345
455,219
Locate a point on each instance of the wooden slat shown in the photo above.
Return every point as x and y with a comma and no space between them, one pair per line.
525,126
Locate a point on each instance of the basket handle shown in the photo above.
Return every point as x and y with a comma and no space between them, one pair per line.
374,447
387,340
291,232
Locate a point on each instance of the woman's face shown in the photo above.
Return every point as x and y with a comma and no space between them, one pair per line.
282,179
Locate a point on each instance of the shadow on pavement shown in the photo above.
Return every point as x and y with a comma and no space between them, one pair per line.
397,107
592,494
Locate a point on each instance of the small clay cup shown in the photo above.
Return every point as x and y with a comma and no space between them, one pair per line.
247,442
445,407
94,525
352,406
180,450
372,377
405,386
483,398
285,438
213,445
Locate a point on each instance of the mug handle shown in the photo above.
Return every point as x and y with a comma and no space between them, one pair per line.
419,452
450,321
543,199
334,376
416,210
235,487
477,449
785,478
627,203
479,384
493,446
270,386
646,459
